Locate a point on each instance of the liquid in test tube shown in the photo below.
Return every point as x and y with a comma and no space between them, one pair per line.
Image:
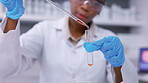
89,37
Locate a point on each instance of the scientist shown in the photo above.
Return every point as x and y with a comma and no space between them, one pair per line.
60,47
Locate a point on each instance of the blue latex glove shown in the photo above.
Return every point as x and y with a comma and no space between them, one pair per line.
15,8
111,47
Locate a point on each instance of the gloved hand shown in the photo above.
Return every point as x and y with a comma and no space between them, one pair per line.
111,47
15,8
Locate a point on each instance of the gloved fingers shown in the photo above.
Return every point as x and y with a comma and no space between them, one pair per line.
113,51
114,60
9,4
5,1
111,43
107,40
117,60
100,42
89,47
17,11
118,54
20,5
20,2
93,46
16,7
121,52
109,54
107,46
86,44
111,38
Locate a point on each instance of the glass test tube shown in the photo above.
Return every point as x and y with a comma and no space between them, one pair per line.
89,38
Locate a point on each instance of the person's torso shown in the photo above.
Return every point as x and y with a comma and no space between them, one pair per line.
62,62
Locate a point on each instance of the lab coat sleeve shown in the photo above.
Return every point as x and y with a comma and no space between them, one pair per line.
129,72
17,54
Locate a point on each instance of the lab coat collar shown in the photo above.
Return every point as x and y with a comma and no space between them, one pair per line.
62,28
61,23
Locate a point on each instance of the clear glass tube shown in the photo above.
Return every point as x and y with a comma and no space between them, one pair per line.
89,38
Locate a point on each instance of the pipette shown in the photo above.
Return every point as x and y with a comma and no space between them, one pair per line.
69,14
88,33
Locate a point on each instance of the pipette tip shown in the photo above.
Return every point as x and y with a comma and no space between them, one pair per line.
82,23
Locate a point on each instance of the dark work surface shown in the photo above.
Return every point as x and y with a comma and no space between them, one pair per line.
142,82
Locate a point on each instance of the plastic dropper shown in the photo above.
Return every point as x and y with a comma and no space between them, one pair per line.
88,33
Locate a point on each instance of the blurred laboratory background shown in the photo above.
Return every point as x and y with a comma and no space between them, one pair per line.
127,18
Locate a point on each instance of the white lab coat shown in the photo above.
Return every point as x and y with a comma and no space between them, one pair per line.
59,59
